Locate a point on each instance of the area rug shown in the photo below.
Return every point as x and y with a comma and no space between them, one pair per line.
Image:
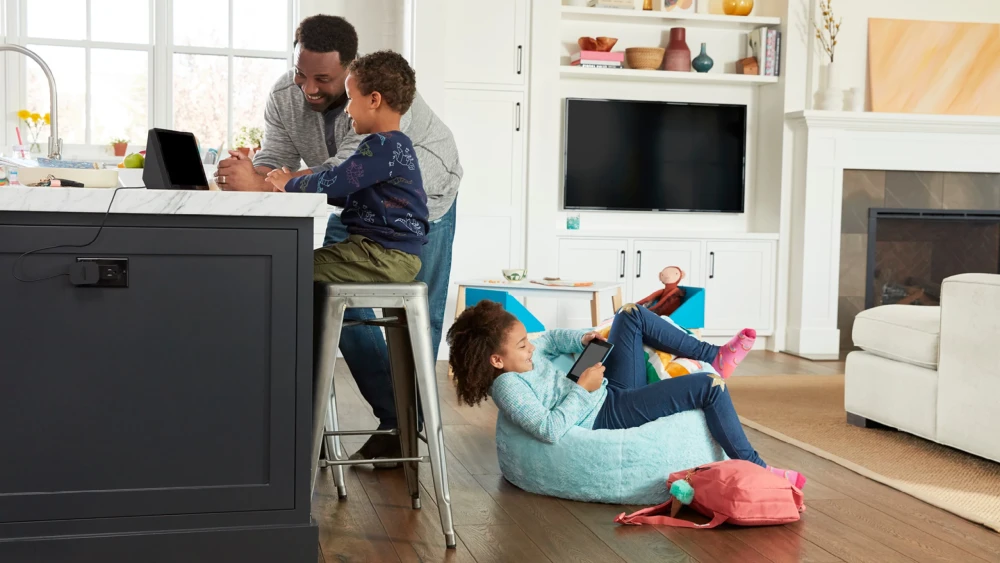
807,411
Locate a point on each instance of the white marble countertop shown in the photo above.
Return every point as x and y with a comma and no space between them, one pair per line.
162,202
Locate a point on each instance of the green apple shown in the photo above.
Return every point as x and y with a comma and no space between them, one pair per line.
134,160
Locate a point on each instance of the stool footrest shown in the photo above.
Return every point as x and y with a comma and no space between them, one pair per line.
421,459
383,322
391,432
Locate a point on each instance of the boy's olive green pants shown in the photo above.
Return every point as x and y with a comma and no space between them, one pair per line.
359,260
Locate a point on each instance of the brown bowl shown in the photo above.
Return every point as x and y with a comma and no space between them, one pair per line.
599,44
644,58
606,43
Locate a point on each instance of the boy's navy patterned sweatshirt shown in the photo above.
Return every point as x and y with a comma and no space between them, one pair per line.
380,189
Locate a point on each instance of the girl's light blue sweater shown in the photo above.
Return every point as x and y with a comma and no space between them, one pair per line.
543,401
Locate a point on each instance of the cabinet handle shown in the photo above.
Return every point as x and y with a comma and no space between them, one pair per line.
520,51
622,275
638,259
517,126
711,265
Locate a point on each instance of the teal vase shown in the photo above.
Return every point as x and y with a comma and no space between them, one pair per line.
703,62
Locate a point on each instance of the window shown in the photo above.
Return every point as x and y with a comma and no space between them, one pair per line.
123,66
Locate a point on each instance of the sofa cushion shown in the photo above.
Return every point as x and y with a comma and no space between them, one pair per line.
905,333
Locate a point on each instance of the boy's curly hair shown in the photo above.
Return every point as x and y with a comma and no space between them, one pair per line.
476,335
389,74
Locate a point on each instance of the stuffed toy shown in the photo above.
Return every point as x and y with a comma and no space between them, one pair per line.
665,301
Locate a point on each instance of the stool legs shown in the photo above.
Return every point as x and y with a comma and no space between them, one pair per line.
334,450
328,317
418,324
404,390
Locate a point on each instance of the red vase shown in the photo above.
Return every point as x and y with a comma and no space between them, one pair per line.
678,55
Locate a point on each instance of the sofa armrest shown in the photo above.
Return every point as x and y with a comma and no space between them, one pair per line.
969,365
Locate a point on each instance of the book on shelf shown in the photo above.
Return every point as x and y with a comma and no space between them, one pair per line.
593,65
597,57
764,45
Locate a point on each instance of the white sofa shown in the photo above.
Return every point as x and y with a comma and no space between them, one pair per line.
932,371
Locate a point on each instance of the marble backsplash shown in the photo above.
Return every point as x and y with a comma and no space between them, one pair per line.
864,189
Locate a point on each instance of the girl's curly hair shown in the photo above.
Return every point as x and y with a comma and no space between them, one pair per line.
476,335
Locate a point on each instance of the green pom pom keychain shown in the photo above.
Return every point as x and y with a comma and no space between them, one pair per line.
682,493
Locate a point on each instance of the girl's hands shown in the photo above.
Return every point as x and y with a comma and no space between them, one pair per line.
592,377
590,336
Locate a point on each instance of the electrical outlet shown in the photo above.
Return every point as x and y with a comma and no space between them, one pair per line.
111,272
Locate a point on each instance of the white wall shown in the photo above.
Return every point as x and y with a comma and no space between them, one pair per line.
380,23
852,43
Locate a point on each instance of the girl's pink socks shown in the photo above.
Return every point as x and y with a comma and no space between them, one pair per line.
794,477
734,351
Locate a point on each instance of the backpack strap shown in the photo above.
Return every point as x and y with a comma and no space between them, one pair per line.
652,515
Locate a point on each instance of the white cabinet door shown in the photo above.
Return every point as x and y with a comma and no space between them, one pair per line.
651,256
487,41
489,133
604,260
739,287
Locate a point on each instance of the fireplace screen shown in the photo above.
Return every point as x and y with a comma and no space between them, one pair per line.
911,252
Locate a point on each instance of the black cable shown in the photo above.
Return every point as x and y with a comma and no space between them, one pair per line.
13,269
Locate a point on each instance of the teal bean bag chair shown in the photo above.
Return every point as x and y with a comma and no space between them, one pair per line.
612,466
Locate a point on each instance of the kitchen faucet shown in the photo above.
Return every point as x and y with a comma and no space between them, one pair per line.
55,143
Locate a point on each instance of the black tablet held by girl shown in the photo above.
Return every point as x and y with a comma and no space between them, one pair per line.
595,352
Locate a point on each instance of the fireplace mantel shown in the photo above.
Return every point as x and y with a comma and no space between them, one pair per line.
895,122
825,144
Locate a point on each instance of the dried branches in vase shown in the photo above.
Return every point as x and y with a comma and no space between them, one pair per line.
832,96
827,33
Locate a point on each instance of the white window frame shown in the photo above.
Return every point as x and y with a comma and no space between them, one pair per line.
13,27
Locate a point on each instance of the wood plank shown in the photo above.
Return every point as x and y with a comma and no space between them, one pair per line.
559,535
500,544
470,503
415,534
475,447
782,545
972,538
711,545
635,544
891,532
483,415
349,528
833,537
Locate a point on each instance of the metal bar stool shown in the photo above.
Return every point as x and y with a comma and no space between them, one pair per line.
406,321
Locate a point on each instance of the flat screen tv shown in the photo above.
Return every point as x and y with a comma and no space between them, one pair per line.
654,156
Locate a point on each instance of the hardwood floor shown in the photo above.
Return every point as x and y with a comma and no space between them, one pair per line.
848,517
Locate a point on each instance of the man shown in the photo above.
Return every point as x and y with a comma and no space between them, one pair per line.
305,121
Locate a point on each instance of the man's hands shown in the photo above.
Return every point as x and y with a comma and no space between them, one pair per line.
591,378
237,173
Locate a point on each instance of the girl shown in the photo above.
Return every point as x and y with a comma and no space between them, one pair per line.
491,355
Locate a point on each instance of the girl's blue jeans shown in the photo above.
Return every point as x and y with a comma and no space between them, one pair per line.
632,402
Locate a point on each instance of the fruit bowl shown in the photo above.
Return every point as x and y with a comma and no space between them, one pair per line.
515,274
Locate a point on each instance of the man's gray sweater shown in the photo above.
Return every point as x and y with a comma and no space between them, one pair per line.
294,133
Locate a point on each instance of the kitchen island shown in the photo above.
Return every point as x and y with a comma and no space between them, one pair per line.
162,412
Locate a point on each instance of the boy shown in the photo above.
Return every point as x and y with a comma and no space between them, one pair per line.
379,186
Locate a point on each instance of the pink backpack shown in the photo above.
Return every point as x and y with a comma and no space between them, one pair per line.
734,491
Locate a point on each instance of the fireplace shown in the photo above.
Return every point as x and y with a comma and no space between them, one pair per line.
902,232
910,252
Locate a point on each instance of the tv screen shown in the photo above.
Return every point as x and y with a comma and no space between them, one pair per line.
654,156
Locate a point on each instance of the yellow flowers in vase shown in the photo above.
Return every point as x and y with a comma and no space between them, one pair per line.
832,95
33,122
827,33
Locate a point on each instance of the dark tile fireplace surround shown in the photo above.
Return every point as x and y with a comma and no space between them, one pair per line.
904,232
